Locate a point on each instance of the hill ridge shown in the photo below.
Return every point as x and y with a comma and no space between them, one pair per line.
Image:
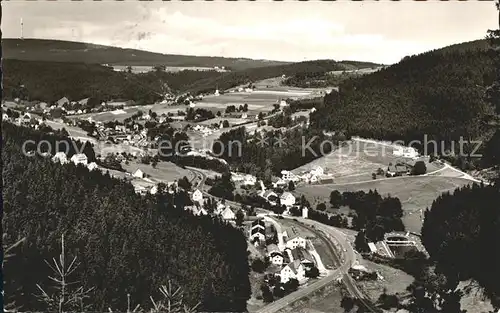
32,49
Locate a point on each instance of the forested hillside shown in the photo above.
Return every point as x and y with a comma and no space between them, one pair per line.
50,81
125,243
68,51
437,93
461,232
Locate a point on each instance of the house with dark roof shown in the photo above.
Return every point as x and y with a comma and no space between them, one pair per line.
257,233
397,170
275,255
258,224
303,256
293,270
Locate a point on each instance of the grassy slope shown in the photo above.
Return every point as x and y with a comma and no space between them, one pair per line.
68,51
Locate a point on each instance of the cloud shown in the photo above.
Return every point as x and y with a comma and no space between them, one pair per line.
380,32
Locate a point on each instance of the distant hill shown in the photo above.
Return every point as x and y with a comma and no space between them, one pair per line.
232,79
438,93
50,81
69,51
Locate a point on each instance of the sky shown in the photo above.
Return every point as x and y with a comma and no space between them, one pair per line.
382,32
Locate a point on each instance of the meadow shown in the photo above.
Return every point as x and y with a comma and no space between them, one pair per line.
414,192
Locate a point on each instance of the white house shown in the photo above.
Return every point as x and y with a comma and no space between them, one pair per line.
79,158
293,270
289,176
92,166
196,211
197,196
62,102
60,157
220,207
295,242
305,212
216,92
373,248
153,190
283,103
276,258
140,190
228,214
287,199
318,171
138,173
26,117
249,180
406,152
248,89
244,116
257,233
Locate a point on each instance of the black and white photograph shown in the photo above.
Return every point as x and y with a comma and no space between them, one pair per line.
250,156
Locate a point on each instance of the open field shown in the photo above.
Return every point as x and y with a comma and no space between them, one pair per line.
275,84
415,192
394,280
173,69
74,132
233,121
105,149
323,252
257,101
293,229
164,171
326,300
356,161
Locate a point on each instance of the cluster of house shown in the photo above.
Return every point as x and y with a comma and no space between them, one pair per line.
244,179
79,158
316,175
204,130
247,89
26,120
223,210
398,169
74,107
143,185
122,134
291,259
405,152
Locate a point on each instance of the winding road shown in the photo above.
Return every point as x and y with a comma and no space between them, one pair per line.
330,236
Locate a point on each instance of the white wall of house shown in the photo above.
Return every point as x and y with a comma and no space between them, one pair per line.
197,196
277,259
286,274
260,236
296,242
287,199
228,214
138,173
305,212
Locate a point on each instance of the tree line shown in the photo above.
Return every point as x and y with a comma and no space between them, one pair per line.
50,81
268,153
437,94
126,243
